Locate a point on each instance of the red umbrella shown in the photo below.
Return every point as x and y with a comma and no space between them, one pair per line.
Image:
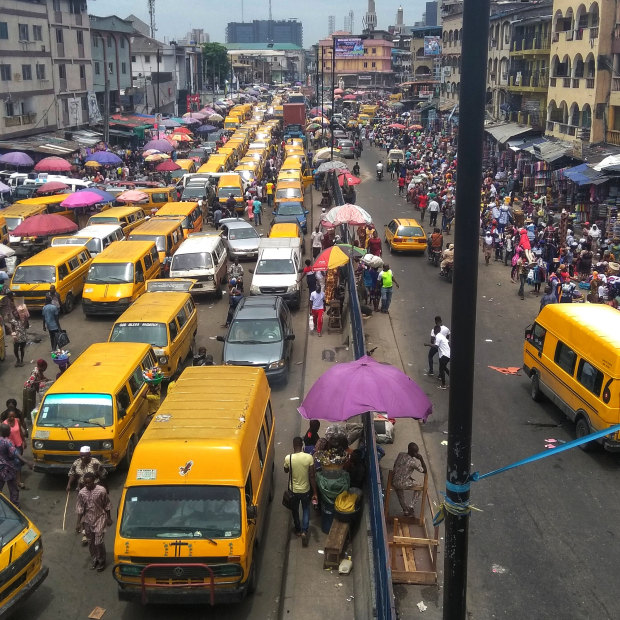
182,130
167,166
350,97
351,180
53,164
52,186
132,195
396,126
44,225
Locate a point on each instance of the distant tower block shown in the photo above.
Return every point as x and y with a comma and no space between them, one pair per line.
331,24
370,20
399,17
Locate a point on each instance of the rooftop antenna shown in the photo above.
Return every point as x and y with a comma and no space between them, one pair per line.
151,4
242,20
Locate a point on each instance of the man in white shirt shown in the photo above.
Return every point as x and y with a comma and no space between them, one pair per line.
317,242
300,468
443,347
317,303
433,210
433,348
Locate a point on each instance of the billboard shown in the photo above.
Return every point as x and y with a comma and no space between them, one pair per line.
349,48
432,46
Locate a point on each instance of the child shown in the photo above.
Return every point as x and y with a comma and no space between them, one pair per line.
312,436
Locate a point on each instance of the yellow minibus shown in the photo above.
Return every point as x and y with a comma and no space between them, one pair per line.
125,217
189,211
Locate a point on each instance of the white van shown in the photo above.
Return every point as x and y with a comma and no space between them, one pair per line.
201,257
277,270
96,237
73,184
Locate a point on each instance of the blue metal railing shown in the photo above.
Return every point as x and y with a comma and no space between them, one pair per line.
384,596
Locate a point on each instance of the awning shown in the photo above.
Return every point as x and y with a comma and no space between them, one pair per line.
502,133
583,174
523,144
551,151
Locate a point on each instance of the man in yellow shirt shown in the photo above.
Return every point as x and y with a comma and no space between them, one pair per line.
300,468
270,188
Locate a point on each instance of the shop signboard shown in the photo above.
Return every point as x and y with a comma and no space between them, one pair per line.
349,47
432,46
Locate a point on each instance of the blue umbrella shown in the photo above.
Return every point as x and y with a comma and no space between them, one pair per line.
169,123
105,158
206,129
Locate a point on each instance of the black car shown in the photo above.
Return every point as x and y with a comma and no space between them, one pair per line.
291,212
261,334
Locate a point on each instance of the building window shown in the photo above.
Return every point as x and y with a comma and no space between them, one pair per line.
23,32
365,65
123,67
83,71
373,64
56,5
374,50
9,109
111,68
59,35
147,58
133,59
95,41
5,73
122,43
62,72
109,40
40,72
26,72
4,30
80,37
84,101
37,33
97,69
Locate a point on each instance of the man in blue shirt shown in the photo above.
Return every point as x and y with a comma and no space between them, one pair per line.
50,320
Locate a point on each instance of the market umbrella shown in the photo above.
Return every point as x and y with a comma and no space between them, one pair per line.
4,188
167,166
416,127
190,120
86,198
216,117
132,195
160,145
316,111
331,165
352,388
206,128
348,214
330,258
181,137
182,130
199,115
148,152
351,250
5,250
105,158
338,91
92,164
53,164
396,126
16,158
44,225
312,126
157,157
349,97
350,179
169,123
52,186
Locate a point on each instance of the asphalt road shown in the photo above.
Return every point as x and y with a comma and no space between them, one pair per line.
546,542
72,591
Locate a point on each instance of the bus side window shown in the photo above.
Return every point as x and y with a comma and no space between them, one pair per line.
262,448
269,418
538,336
139,272
590,377
122,402
565,358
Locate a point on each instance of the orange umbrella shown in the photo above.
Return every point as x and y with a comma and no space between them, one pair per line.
178,130
182,137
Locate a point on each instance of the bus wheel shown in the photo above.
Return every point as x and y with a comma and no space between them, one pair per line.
582,428
69,303
535,392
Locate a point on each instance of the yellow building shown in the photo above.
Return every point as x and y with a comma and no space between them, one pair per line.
372,68
581,73
452,22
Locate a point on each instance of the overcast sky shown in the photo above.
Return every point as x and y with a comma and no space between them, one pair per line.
174,18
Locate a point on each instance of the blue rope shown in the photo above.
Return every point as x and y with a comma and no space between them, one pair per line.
542,455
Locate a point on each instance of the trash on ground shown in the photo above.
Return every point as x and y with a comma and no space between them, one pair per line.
97,613
320,551
444,443
294,398
422,606
509,370
500,570
345,567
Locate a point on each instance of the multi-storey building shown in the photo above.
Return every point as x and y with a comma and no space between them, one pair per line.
111,53
425,63
581,104
69,29
452,23
27,97
265,31
372,68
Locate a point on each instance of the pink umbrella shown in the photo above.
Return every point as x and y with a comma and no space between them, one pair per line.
190,120
350,179
86,198
132,195
348,214
44,225
51,186
53,164
338,91
350,97
161,145
396,126
352,388
167,166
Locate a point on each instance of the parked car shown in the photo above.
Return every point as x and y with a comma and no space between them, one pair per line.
291,212
240,238
261,334
347,148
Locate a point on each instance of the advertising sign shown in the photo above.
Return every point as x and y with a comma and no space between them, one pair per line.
349,48
432,46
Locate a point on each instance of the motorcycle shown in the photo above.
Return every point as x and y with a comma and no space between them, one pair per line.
379,173
446,274
434,256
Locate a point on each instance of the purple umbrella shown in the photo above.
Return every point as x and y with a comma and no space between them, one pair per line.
346,390
16,158
206,129
86,198
160,145
105,158
191,121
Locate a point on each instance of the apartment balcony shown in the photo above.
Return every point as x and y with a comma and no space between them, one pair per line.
531,46
564,129
613,137
532,83
20,120
78,19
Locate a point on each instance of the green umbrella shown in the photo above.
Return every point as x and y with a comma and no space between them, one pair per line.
351,250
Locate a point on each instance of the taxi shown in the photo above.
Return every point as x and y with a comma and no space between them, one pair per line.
405,235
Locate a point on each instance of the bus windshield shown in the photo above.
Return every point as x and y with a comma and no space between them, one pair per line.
76,410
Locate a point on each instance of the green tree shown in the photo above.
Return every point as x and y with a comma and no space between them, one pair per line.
217,64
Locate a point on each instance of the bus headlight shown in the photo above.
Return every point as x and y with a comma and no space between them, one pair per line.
38,445
107,445
163,359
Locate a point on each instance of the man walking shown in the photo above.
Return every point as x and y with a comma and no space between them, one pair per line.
93,510
258,211
403,479
317,302
387,279
300,468
317,242
443,347
433,347
270,186
51,320
433,210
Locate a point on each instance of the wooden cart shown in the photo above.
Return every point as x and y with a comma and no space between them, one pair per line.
413,552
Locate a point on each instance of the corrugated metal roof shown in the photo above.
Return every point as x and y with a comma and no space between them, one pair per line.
503,132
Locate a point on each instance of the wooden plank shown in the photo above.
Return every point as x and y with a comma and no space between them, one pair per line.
419,577
408,540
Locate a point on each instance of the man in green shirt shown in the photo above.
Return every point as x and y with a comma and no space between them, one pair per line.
387,280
